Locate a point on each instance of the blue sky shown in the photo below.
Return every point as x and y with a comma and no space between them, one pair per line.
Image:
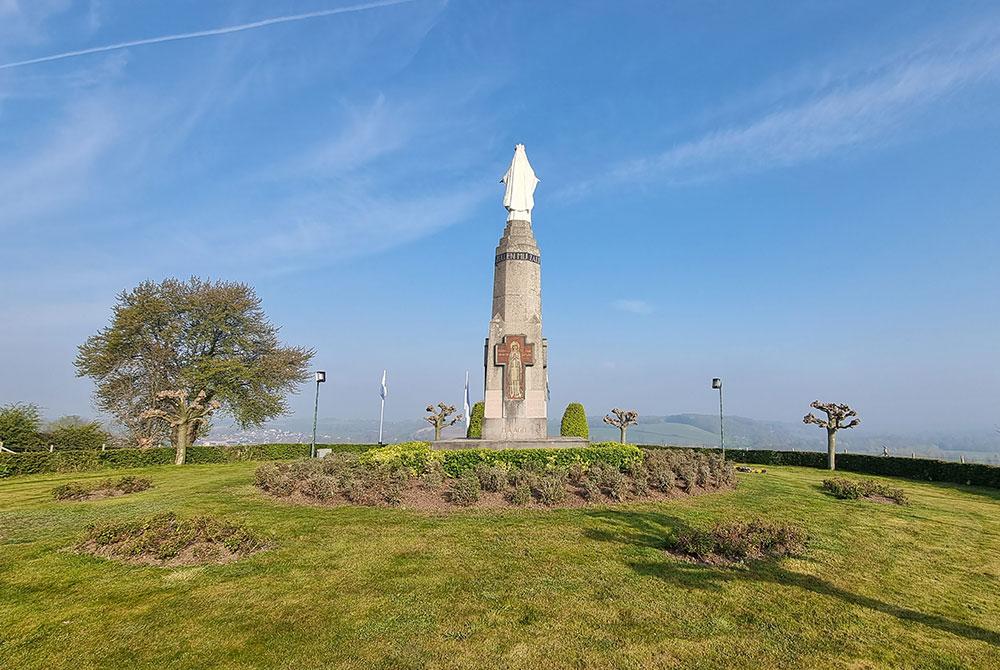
800,197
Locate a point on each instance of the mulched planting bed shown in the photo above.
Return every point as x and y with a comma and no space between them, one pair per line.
736,542
865,489
344,479
107,488
165,540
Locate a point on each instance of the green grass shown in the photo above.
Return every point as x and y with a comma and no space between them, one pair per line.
880,585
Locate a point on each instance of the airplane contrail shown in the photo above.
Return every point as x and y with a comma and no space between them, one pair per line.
207,33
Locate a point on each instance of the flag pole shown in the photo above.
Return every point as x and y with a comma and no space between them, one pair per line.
381,412
381,415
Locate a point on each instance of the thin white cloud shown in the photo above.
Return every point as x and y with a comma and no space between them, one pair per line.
859,110
633,306
212,32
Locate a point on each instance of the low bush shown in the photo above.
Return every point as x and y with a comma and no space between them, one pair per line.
740,540
574,422
492,478
465,489
521,493
165,536
854,489
121,486
551,488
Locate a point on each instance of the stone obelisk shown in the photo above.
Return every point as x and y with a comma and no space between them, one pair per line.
516,356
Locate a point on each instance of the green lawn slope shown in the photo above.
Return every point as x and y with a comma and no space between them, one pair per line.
880,586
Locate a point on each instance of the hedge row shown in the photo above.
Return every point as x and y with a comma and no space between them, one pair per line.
78,460
926,469
458,461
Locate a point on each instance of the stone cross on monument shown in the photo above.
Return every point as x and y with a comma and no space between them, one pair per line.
516,353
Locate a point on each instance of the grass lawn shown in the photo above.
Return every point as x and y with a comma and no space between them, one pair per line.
880,585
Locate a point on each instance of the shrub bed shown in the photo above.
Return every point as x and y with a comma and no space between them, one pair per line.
413,475
736,541
855,489
102,489
79,460
922,469
167,540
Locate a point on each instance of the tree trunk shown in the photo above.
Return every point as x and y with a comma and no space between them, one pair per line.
623,429
437,432
831,448
182,443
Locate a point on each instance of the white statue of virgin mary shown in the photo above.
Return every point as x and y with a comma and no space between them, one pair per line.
520,181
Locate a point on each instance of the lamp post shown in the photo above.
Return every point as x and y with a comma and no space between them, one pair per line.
320,378
717,384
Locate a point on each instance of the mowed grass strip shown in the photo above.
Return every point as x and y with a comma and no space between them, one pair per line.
351,587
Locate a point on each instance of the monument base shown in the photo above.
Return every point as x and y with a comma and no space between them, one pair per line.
540,443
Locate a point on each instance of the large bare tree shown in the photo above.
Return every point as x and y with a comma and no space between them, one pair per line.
177,351
838,417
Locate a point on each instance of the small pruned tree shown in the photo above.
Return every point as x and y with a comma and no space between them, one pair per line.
622,419
439,419
838,417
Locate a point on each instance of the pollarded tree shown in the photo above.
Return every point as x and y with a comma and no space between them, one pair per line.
178,350
622,419
439,419
836,416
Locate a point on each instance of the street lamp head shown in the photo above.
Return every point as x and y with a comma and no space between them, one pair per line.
320,377
716,383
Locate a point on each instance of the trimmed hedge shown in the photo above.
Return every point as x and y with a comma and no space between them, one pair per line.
79,460
460,460
574,422
475,430
924,469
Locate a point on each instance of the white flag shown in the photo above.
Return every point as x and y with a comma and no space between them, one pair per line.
467,406
383,390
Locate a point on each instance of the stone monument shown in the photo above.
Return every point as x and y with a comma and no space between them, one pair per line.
516,353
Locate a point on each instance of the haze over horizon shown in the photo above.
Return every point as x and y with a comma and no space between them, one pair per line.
803,202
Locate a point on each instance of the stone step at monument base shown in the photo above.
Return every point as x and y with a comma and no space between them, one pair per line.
540,443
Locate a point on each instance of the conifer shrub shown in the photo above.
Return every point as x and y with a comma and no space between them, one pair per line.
574,422
475,430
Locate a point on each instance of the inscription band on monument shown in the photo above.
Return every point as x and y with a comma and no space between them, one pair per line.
517,256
